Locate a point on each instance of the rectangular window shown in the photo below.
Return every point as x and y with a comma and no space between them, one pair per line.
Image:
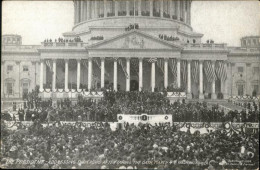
240,69
25,68
9,68
9,87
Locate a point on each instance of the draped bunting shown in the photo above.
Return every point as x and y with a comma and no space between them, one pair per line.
85,63
209,72
195,71
123,67
48,63
184,72
160,64
221,70
173,66
152,60
134,66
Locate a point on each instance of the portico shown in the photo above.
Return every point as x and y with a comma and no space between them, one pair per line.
142,54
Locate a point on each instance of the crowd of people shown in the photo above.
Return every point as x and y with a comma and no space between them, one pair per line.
121,102
60,40
142,147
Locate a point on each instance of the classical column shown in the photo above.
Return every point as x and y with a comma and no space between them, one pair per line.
128,74
78,11
153,76
151,8
75,11
225,94
89,74
213,85
66,74
188,12
102,72
116,7
201,94
139,8
140,74
183,11
127,8
78,74
189,96
178,10
105,8
88,10
96,9
115,74
179,73
171,9
82,11
41,75
161,8
54,74
166,72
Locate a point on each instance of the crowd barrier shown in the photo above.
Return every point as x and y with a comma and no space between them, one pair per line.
193,126
72,93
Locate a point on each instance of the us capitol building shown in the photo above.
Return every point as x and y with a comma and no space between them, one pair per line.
130,45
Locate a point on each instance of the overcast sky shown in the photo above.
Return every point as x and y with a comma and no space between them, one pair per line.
224,21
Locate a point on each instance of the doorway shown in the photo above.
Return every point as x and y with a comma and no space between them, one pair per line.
134,85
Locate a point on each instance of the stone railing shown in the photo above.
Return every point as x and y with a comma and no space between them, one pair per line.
244,98
73,93
176,95
20,47
62,44
206,46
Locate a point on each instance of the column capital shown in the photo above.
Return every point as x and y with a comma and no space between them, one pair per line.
78,60
90,58
152,60
66,60
189,60
54,60
102,58
127,58
17,62
140,59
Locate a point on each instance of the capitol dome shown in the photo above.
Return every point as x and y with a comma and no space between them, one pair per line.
97,20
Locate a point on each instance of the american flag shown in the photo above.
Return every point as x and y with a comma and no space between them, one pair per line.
195,71
123,67
48,63
134,66
152,60
160,64
184,72
221,70
173,66
85,63
209,72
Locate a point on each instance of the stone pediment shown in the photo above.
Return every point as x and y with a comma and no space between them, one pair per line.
135,40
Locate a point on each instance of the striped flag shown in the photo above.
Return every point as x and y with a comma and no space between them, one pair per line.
221,70
152,60
85,63
97,63
123,67
195,71
173,66
160,64
48,63
134,66
209,72
184,72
